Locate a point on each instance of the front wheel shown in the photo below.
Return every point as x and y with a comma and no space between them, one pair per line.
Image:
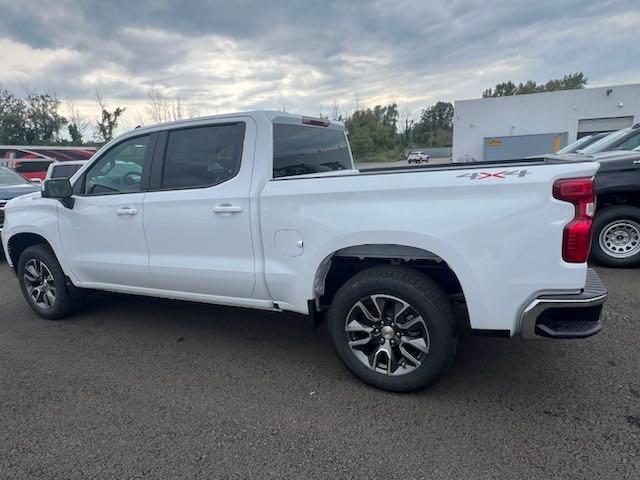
44,284
616,237
393,328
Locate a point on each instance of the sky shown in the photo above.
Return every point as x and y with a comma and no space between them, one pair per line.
305,56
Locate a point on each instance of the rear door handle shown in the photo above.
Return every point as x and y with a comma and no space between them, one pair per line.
127,211
227,208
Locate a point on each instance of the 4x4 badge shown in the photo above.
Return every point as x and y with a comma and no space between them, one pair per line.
503,174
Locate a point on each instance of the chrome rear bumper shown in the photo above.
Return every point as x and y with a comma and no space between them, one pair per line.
566,316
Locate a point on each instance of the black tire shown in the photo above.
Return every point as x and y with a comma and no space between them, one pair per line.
65,300
603,221
425,297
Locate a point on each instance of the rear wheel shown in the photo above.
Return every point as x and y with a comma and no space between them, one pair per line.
393,328
616,237
44,284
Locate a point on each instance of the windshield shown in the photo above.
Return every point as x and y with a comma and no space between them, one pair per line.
9,178
605,143
581,142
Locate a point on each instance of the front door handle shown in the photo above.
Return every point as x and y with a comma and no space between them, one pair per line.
227,208
127,211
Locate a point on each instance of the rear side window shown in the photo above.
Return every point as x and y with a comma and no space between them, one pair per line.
202,156
298,150
32,166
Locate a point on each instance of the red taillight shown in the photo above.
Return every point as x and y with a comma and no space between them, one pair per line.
576,240
318,122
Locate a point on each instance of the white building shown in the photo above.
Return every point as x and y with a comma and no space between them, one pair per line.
511,127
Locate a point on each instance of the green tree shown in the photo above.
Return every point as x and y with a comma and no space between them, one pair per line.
435,127
12,118
43,122
108,123
75,134
568,82
372,130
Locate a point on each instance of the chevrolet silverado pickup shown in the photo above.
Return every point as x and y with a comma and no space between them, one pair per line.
265,210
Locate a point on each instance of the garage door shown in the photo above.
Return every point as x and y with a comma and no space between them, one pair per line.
517,147
599,125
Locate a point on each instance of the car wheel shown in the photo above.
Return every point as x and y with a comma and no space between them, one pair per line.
616,237
44,284
393,328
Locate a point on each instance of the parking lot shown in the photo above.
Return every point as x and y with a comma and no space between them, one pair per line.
146,388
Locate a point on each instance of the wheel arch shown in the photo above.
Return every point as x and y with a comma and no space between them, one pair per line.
19,242
342,264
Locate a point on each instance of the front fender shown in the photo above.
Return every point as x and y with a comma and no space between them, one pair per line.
37,216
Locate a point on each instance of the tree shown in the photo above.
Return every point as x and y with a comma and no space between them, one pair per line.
12,118
372,130
77,124
568,82
108,123
435,127
161,108
406,125
43,123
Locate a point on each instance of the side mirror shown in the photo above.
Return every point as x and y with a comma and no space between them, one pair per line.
60,189
36,181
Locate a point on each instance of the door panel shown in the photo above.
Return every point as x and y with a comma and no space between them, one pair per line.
102,235
103,239
199,236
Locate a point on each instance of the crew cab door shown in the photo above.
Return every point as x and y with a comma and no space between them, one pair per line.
102,235
197,218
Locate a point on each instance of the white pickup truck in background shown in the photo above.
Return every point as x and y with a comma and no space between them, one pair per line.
265,210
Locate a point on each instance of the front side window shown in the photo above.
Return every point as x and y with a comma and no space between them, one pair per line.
202,156
119,170
298,150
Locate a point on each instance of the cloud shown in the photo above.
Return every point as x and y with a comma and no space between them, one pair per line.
243,55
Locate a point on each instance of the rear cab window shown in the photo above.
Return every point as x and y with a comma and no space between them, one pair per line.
64,171
301,150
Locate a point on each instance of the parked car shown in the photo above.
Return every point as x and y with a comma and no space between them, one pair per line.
417,157
12,185
616,226
625,139
32,161
583,142
64,169
398,263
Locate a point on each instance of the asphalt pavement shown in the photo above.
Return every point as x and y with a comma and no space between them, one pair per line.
137,387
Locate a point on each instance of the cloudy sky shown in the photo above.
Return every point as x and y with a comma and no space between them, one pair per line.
237,55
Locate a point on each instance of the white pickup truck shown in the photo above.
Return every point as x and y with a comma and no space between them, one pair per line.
265,210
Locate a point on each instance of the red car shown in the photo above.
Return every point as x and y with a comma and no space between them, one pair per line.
32,161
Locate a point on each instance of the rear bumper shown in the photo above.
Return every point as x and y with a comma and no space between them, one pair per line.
566,316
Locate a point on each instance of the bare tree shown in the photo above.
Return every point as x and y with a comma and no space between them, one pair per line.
282,104
334,111
77,124
406,124
161,108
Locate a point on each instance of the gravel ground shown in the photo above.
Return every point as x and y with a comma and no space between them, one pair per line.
145,388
